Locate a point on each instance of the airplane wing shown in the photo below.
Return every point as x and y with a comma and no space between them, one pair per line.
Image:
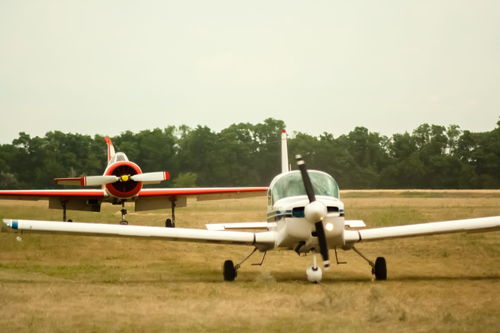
482,224
47,194
160,198
203,193
73,199
147,199
261,240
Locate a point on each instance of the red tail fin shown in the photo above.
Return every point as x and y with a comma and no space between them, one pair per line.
111,148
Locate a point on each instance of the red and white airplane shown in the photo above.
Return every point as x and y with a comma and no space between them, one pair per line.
305,214
123,181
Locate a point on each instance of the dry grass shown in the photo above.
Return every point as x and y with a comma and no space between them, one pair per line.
450,283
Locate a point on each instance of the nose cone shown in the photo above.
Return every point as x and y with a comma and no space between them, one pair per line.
315,212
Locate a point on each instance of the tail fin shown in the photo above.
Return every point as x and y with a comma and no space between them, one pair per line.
111,148
284,153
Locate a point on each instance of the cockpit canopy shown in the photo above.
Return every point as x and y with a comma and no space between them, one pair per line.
290,184
118,157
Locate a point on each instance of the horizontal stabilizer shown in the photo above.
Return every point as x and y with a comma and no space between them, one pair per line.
240,225
355,224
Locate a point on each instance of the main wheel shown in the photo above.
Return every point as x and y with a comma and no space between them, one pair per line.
229,271
124,222
380,269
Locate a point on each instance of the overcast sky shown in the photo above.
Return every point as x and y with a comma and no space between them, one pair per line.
103,67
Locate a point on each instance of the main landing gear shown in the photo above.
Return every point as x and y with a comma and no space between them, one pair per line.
379,267
65,219
230,270
170,223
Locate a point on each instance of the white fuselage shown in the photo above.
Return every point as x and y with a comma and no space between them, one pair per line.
287,212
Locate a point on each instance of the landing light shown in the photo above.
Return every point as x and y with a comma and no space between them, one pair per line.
329,227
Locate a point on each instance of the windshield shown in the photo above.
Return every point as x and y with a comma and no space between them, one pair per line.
291,184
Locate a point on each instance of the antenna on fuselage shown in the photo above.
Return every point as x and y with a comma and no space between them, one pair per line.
285,167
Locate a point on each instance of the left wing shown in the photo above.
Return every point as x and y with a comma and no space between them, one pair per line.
482,224
262,240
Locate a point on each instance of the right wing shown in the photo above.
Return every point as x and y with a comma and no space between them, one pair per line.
73,199
482,224
48,194
262,240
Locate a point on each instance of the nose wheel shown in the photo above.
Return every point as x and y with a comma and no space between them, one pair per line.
313,272
124,212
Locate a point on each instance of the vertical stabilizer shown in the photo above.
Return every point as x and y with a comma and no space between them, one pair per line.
284,153
111,148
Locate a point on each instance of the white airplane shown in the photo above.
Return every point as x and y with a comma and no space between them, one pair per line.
305,214
123,181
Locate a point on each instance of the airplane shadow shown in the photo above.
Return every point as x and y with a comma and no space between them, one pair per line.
264,277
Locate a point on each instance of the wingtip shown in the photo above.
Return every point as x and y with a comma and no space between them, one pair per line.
8,225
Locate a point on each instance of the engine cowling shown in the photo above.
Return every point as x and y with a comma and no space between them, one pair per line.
125,187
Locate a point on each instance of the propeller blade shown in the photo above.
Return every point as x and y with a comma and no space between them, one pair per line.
315,212
323,244
305,178
86,181
151,177
99,180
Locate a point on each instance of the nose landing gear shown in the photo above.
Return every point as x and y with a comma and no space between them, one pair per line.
124,212
313,272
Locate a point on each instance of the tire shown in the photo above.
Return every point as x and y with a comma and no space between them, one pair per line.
229,271
380,269
169,224
124,222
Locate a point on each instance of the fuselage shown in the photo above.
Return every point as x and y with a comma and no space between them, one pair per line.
287,200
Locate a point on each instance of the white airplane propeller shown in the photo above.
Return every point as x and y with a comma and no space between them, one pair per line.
151,177
87,180
315,212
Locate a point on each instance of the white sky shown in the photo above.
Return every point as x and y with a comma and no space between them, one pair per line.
103,67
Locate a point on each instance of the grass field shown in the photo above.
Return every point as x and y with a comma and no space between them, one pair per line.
449,283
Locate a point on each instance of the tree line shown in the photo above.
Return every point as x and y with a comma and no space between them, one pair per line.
247,154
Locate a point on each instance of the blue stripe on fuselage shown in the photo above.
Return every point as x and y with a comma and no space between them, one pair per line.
279,214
